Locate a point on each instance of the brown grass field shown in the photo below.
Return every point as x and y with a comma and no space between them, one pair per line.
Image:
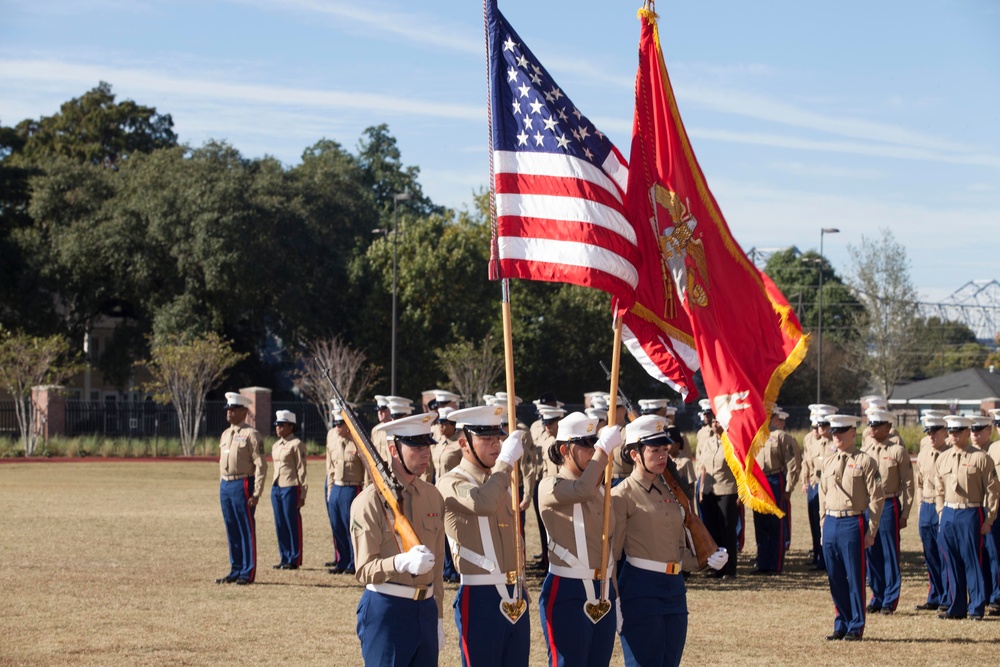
112,563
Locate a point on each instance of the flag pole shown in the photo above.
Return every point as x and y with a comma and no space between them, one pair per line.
515,473
616,357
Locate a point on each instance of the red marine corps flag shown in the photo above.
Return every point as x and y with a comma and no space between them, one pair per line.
747,338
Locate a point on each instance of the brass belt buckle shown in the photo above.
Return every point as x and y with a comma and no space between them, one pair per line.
673,568
511,578
420,594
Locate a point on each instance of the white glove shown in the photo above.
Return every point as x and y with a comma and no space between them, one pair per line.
609,439
418,560
718,560
440,634
512,448
620,622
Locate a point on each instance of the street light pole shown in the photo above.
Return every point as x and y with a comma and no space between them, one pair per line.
819,326
396,198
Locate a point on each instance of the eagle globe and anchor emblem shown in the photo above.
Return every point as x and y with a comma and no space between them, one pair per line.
674,225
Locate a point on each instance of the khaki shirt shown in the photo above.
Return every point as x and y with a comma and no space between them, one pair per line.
557,495
896,470
815,449
446,453
968,476
719,479
894,437
345,464
703,434
543,442
781,453
289,457
994,452
649,522
621,467
926,472
376,543
685,469
851,483
925,442
241,452
466,502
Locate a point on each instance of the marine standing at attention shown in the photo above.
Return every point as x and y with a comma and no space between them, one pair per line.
926,483
401,610
850,487
288,490
490,610
572,507
346,473
649,530
242,468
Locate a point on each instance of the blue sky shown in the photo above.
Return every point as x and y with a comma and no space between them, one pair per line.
851,114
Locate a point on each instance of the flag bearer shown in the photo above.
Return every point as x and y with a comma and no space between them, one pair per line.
926,481
288,490
849,488
572,507
967,493
345,475
780,461
400,613
896,471
490,613
242,468
649,530
717,496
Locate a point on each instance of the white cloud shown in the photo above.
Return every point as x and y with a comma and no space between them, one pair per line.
825,171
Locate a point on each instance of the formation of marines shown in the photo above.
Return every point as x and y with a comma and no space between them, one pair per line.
454,467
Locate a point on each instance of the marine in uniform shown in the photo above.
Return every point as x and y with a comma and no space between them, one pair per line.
401,610
572,508
650,533
925,441
993,539
780,461
850,490
384,416
896,471
981,430
926,482
718,496
288,489
967,496
490,610
677,455
815,448
242,468
346,473
446,453
543,432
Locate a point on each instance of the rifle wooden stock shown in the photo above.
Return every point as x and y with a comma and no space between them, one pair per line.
382,476
704,545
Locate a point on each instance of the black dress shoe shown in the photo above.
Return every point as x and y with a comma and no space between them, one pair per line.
927,606
994,610
835,636
762,572
817,568
887,611
289,566
851,637
228,579
242,582
349,570
975,617
279,566
334,570
951,617
873,608
332,563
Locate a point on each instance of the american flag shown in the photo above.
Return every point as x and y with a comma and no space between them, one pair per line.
559,181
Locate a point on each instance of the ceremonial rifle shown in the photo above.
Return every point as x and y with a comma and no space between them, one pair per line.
704,545
385,481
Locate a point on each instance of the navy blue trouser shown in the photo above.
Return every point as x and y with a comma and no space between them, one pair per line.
288,522
937,592
883,559
397,632
963,551
241,528
338,505
486,637
655,617
993,550
771,531
571,638
844,553
812,507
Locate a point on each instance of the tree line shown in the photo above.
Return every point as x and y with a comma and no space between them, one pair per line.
105,213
